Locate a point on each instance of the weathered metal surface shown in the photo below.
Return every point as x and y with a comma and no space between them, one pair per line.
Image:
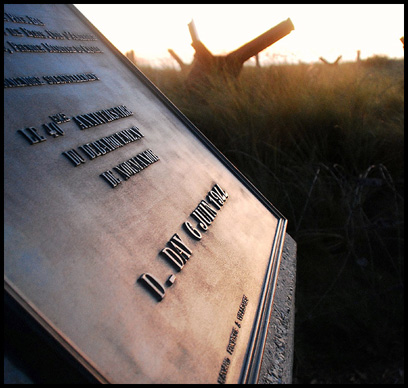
128,236
24,347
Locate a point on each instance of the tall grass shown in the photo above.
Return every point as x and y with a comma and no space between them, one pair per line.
325,146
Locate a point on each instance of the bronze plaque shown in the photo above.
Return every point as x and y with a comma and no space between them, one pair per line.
128,236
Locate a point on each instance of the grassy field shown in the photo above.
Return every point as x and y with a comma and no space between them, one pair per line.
325,145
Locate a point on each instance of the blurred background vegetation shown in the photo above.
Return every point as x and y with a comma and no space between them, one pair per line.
325,144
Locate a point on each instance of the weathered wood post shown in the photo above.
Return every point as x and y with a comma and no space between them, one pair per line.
257,60
131,55
205,63
236,59
336,62
182,65
193,31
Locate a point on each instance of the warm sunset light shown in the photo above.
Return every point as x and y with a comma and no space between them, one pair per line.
204,193
326,30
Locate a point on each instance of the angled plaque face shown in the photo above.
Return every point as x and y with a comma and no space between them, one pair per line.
128,236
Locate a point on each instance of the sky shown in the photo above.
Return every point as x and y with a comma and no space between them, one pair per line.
326,30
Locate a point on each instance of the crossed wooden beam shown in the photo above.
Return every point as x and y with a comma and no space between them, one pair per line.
336,62
205,63
231,64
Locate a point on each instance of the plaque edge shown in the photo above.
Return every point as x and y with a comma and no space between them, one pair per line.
252,365
24,302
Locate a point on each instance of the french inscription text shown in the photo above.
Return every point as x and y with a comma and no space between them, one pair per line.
93,119
15,82
233,338
130,167
177,252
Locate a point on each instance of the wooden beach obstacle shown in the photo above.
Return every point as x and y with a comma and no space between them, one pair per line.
230,65
183,66
335,63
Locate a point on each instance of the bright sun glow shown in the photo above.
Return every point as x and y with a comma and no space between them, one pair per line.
326,30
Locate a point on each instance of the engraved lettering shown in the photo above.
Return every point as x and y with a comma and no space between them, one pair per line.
171,279
110,178
53,129
119,111
215,199
147,158
99,117
14,31
122,137
223,194
10,82
35,21
74,157
123,110
54,35
92,120
177,252
174,257
202,224
108,116
204,213
134,133
74,36
154,285
222,375
82,122
182,249
22,81
203,217
112,142
33,33
130,167
50,79
242,307
69,78
153,157
32,135
123,171
135,164
8,17
113,114
141,161
207,209
59,118
95,144
95,118
232,340
192,231
53,48
90,151
35,48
